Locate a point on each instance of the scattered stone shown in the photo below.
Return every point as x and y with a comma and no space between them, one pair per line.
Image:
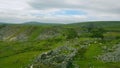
113,56
58,58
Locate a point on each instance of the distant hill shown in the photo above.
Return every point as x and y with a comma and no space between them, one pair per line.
39,23
1,23
98,23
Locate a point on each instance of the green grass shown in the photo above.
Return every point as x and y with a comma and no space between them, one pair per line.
93,50
19,60
86,57
17,54
21,54
112,34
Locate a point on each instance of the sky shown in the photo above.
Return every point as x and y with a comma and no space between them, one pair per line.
59,11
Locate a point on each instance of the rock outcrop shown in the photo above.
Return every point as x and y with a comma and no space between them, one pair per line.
111,56
58,58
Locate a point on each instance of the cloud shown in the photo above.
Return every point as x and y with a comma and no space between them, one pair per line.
59,11
94,5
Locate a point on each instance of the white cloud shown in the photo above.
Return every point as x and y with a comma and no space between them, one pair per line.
18,11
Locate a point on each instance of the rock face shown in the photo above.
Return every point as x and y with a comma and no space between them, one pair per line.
13,33
25,33
58,58
7,32
48,34
111,56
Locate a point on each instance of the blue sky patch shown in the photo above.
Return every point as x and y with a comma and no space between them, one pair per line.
69,12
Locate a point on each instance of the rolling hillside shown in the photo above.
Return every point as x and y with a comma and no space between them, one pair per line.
59,46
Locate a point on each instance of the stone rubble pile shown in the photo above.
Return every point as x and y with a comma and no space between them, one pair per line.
58,58
111,56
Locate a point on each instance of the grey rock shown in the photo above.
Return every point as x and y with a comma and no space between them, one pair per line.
60,57
113,56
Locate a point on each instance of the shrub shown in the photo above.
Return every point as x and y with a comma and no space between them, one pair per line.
94,31
70,33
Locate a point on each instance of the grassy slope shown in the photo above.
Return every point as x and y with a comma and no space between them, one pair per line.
17,54
108,25
20,54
